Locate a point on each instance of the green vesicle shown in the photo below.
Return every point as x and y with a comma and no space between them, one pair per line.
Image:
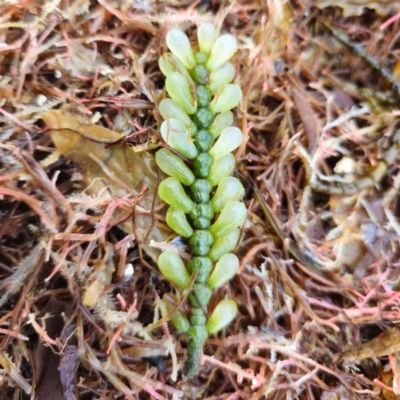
178,87
178,319
232,216
173,166
177,136
225,270
172,192
228,98
229,140
206,37
229,189
173,268
200,57
222,316
224,48
224,244
169,64
170,110
176,220
200,295
202,211
221,122
179,45
221,77
203,266
221,168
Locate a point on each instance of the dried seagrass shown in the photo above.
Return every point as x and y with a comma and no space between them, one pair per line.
198,126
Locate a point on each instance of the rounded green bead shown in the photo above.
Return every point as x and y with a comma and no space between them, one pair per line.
202,165
203,96
197,316
200,74
200,57
203,118
201,190
197,334
200,296
201,223
203,140
201,242
203,266
202,211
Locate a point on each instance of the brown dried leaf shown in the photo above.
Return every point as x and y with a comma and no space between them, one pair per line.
47,376
101,276
81,61
69,364
357,7
387,379
311,123
83,142
386,343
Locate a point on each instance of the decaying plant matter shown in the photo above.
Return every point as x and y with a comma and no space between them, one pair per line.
85,311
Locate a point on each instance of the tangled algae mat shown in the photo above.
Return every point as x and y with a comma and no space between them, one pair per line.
318,289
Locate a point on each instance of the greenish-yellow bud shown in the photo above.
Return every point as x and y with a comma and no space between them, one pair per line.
229,98
173,268
177,136
172,192
221,77
178,87
169,63
170,110
224,244
173,166
229,189
178,319
232,216
225,269
229,140
221,168
221,122
224,48
206,37
180,46
176,220
222,316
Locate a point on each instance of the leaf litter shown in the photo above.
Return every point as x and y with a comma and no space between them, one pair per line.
318,288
